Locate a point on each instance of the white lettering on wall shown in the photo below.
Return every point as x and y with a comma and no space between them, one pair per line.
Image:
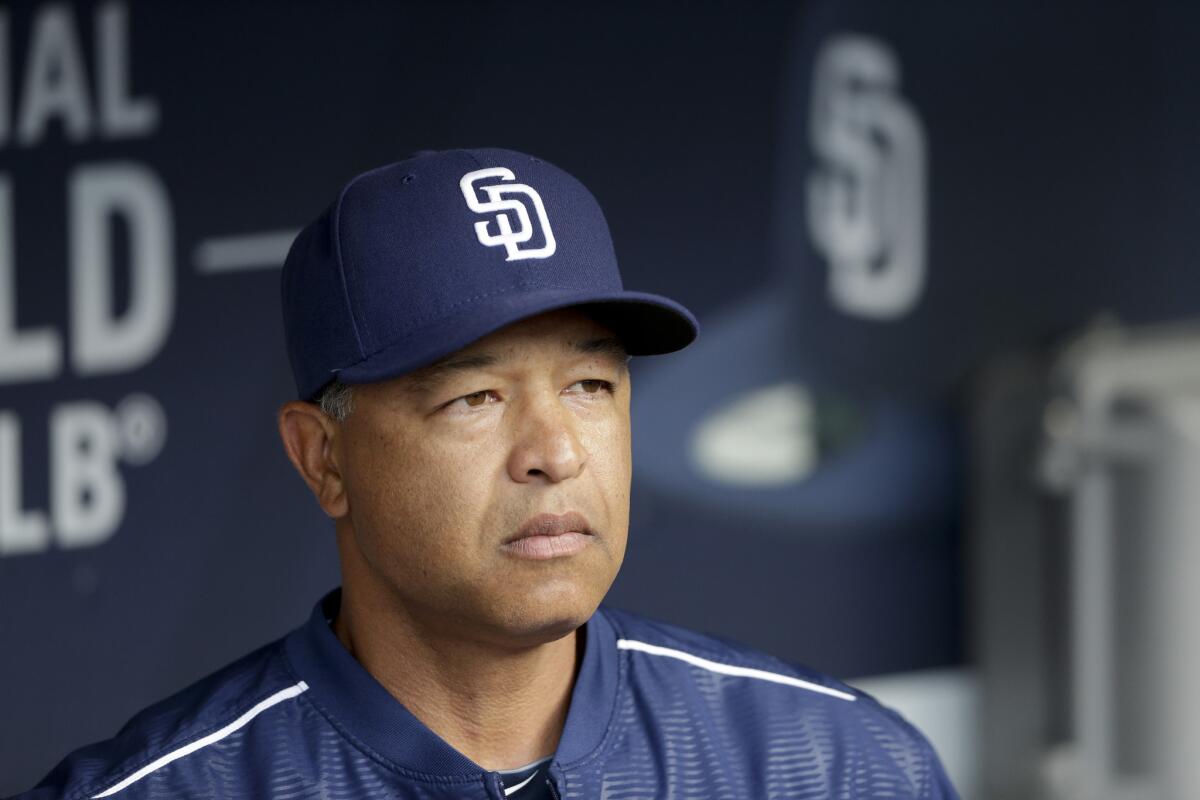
101,342
87,492
48,96
55,88
5,80
55,82
21,530
33,354
120,114
88,444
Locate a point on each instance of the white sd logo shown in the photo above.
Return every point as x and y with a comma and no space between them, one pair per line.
866,195
497,204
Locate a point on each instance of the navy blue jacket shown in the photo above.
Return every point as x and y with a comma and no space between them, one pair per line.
657,711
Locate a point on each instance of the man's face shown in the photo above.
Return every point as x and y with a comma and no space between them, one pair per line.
490,493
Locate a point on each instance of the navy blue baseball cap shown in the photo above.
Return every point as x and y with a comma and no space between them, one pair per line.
420,258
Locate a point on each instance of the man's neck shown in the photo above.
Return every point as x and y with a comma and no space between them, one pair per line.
501,707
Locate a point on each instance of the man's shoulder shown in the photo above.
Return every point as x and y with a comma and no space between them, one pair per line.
685,679
206,710
720,656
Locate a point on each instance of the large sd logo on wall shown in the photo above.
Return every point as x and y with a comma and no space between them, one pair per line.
866,198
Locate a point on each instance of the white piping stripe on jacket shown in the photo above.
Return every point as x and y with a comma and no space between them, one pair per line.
215,736
729,669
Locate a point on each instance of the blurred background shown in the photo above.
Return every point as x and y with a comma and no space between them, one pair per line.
940,436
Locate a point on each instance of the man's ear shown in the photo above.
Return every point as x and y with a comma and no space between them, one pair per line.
308,436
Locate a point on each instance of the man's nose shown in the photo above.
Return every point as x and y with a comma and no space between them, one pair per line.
546,445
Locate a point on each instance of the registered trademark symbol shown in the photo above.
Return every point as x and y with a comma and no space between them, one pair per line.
141,428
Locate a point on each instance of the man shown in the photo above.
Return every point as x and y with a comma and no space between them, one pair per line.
459,337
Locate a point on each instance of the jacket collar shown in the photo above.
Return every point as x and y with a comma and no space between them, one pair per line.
359,705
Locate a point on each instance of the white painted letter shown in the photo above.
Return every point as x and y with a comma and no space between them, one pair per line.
101,343
87,492
55,82
20,531
120,114
5,77
33,354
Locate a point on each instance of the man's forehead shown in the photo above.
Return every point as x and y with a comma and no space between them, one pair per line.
571,335
486,354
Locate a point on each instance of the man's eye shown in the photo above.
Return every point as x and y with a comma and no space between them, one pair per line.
593,386
475,398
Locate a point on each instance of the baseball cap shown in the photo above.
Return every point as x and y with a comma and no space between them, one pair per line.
417,259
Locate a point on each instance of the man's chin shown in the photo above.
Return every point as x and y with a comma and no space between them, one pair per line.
531,627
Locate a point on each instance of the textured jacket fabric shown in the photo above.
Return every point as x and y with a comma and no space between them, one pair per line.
656,712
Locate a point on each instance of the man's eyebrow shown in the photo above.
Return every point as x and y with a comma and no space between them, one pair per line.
427,378
609,346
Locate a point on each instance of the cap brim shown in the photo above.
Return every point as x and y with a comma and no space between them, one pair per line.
647,324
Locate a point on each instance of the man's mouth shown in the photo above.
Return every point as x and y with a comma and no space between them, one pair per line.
547,536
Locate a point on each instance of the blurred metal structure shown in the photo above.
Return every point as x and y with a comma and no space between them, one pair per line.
1088,644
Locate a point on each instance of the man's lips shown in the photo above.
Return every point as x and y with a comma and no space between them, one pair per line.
553,525
548,536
